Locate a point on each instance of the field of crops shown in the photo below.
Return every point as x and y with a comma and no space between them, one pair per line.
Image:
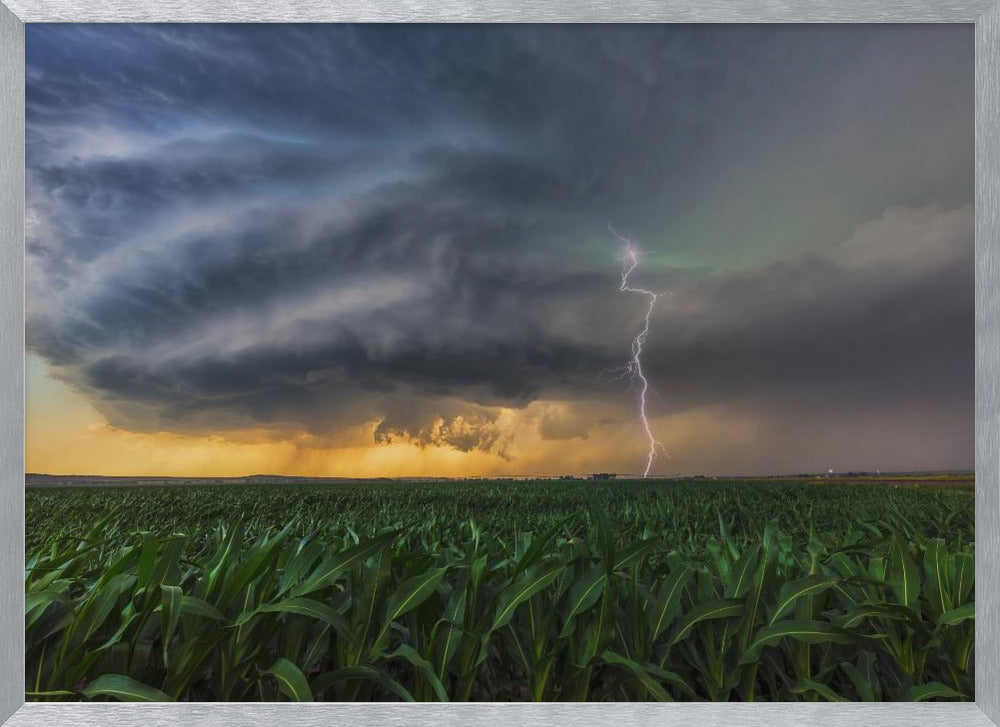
676,590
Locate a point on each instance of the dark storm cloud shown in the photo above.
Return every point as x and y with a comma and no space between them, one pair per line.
316,226
884,318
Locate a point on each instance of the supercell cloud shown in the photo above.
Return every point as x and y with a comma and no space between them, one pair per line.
306,228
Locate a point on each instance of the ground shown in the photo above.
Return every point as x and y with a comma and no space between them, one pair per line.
779,588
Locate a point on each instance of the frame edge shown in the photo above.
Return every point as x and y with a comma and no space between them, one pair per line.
987,214
14,711
378,11
535,714
12,360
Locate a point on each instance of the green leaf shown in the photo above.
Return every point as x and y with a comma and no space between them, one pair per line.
303,607
903,576
53,693
223,558
95,611
334,565
931,690
41,600
635,552
863,677
423,666
124,689
866,611
450,623
804,686
740,577
325,681
964,577
540,544
715,609
761,580
192,606
810,632
120,633
671,678
166,568
147,558
258,561
665,605
291,681
410,594
170,613
583,595
605,541
639,673
936,578
524,587
794,590
957,615
300,563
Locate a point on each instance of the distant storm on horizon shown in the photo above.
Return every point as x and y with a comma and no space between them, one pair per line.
368,250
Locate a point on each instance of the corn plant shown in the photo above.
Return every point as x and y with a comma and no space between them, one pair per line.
601,603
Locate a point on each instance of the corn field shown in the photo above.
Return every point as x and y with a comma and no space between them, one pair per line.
500,591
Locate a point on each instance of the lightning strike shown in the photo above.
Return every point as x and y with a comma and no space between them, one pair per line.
630,263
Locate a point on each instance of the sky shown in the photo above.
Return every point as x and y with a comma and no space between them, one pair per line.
367,250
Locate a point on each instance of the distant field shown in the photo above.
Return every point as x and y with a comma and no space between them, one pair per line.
684,512
773,589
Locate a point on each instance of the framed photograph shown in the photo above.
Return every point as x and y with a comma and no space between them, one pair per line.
536,364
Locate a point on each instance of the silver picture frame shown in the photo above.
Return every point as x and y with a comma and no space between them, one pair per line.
984,14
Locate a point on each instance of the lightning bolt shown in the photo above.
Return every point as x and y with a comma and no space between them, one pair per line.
631,262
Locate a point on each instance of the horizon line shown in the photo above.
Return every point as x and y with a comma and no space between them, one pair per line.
585,475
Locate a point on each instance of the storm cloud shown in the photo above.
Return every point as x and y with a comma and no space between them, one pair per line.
314,227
